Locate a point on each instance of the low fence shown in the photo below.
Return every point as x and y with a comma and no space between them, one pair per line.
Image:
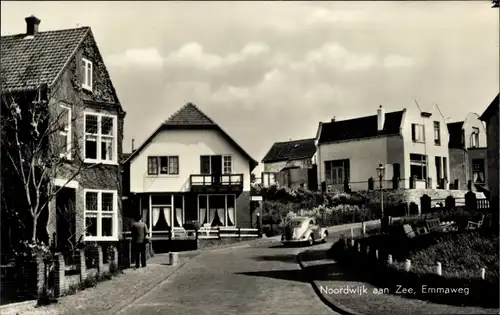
387,257
26,278
200,234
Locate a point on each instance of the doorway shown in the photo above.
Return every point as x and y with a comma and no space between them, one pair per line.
65,238
216,168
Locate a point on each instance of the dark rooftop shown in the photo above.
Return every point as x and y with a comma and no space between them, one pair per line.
290,150
28,62
359,128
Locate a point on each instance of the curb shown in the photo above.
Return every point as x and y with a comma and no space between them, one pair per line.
129,302
334,306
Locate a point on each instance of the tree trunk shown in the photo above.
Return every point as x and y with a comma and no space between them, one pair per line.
33,236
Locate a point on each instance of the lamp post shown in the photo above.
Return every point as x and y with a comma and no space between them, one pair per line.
381,174
259,224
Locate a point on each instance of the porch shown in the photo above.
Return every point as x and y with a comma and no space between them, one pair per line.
190,216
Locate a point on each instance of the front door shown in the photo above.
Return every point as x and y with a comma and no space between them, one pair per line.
65,237
216,165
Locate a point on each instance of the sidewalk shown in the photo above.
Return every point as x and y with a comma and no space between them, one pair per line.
326,275
110,296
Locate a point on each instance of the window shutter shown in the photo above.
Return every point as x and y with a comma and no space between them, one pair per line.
413,132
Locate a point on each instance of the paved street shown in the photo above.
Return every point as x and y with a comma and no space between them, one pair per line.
251,280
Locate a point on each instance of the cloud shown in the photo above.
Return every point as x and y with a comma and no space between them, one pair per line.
142,57
395,61
333,55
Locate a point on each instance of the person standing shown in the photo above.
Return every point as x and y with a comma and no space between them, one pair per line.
139,232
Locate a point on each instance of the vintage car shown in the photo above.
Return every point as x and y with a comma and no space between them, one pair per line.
304,229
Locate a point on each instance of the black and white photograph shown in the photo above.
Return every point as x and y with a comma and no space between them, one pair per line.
250,157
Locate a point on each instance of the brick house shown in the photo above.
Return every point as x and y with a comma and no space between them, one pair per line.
68,66
467,148
189,169
412,145
491,117
291,164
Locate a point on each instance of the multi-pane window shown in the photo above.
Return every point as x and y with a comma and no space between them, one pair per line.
217,210
337,171
478,171
163,165
100,214
418,133
100,138
64,121
418,166
437,133
86,74
228,164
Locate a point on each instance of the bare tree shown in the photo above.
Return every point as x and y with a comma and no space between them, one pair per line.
35,146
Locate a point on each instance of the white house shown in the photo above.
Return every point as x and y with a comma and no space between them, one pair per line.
189,169
411,143
468,156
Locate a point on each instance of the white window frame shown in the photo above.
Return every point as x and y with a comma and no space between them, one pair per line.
420,127
230,159
87,82
158,165
67,132
226,215
99,137
99,213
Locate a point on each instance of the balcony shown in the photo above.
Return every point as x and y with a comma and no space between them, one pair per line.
212,183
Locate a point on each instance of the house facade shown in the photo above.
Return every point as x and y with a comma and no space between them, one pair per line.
411,144
291,164
468,156
189,170
68,67
491,117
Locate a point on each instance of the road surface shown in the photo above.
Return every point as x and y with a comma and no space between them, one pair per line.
249,280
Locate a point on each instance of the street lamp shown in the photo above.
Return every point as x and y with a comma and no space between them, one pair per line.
381,174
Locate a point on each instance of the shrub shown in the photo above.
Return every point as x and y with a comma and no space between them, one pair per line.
483,293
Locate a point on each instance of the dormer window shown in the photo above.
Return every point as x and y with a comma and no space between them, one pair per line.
86,72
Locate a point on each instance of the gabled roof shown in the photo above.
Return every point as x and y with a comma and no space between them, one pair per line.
491,110
455,131
359,128
27,63
290,150
191,117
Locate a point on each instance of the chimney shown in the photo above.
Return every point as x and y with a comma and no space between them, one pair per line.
333,119
133,145
32,23
380,118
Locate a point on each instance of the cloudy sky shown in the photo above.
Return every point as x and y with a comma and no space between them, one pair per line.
270,71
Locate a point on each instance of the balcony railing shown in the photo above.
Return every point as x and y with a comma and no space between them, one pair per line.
217,180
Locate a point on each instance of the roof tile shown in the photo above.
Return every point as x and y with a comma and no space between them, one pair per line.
189,114
29,62
290,150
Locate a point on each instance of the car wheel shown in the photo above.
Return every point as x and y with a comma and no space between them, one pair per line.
310,241
325,237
